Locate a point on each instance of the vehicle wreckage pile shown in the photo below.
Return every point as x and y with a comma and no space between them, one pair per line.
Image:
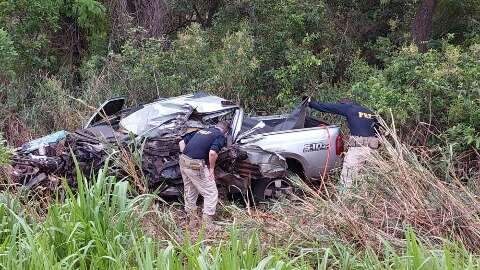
159,162
152,156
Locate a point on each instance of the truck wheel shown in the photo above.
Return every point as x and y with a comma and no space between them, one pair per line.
271,189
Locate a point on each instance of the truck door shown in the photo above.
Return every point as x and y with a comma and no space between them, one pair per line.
108,108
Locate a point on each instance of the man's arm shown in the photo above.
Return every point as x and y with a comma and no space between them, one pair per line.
335,108
217,145
212,160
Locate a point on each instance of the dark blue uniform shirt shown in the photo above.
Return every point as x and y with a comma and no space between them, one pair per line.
199,143
361,121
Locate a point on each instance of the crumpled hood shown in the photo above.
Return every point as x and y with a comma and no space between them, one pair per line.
161,112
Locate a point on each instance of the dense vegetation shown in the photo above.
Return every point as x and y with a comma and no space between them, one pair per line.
266,54
415,62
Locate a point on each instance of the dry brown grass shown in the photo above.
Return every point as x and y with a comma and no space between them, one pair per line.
396,190
15,130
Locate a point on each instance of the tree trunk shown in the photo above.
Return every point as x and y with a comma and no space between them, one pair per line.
422,25
213,8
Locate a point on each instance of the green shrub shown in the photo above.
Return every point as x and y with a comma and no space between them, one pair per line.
191,63
439,87
8,56
235,68
35,27
302,74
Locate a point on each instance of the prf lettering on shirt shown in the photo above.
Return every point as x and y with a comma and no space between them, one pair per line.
204,132
365,115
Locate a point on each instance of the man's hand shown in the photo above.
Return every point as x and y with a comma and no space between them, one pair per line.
211,174
307,98
181,144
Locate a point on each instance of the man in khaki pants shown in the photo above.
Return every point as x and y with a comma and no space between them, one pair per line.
197,165
363,140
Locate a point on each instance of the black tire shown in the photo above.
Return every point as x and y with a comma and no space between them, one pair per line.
271,189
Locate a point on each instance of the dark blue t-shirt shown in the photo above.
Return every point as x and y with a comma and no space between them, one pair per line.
361,121
199,143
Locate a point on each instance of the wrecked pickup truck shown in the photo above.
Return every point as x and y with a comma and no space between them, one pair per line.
142,143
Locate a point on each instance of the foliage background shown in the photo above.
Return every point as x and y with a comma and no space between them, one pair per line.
60,59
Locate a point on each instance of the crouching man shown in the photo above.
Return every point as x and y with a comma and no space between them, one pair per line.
197,165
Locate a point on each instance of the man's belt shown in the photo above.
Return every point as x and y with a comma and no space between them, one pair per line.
357,141
195,164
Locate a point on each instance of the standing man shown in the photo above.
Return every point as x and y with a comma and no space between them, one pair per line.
363,140
197,165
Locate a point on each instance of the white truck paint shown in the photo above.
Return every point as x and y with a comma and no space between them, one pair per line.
317,149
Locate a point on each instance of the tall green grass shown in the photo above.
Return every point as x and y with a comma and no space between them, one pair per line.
92,228
99,227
